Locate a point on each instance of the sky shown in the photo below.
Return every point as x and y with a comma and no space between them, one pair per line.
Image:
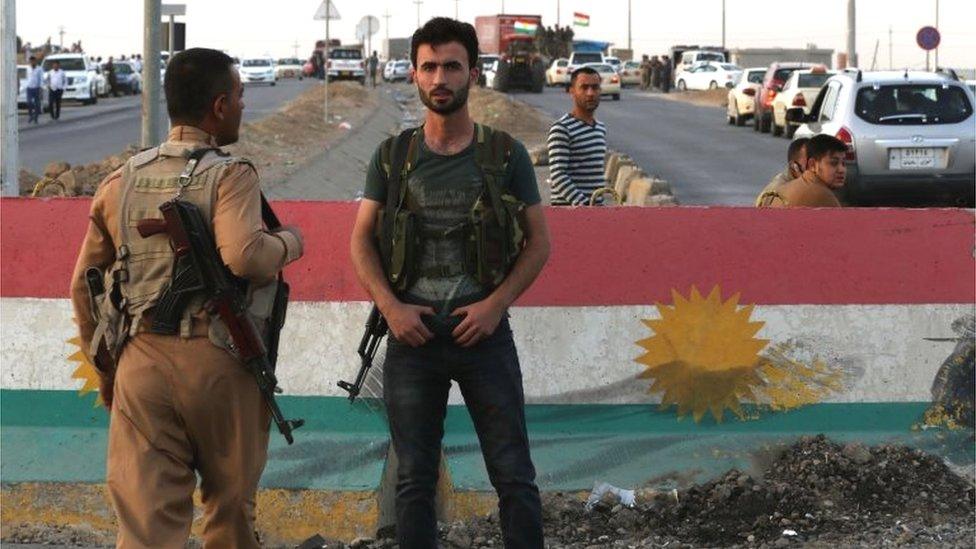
259,27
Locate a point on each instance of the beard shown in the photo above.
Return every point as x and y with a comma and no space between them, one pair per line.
459,98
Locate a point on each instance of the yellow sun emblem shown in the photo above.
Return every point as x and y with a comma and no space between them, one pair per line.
85,371
704,357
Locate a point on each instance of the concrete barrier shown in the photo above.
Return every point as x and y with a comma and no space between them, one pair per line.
757,325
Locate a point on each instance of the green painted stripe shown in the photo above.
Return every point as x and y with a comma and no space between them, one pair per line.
57,436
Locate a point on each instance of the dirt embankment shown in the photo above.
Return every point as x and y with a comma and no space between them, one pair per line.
277,144
704,98
503,112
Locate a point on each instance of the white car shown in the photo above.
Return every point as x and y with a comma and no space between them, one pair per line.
615,62
558,73
741,99
579,58
83,82
630,74
258,70
396,69
346,64
22,89
693,58
289,67
609,79
708,76
799,91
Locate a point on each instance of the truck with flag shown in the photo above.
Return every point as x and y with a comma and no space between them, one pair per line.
513,39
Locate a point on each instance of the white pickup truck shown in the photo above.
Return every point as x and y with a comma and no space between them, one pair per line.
83,81
347,64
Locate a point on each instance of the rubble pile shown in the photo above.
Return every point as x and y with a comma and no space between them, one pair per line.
63,179
816,492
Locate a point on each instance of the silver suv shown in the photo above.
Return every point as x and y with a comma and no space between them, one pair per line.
910,136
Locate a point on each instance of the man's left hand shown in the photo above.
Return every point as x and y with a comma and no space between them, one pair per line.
480,321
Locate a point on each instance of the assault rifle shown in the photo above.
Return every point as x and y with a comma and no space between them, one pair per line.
198,268
376,328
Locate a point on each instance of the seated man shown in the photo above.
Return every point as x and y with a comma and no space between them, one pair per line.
796,161
825,172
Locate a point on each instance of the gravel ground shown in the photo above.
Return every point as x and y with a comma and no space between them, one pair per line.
816,494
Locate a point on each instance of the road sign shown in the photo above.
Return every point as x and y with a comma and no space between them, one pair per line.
928,38
172,9
320,13
367,26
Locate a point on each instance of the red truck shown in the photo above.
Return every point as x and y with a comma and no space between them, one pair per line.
512,38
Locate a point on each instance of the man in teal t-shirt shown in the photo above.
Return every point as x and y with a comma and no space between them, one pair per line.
446,326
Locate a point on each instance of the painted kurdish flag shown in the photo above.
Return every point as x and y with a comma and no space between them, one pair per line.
525,27
581,19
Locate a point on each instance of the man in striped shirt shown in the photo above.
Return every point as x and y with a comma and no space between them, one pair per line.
578,144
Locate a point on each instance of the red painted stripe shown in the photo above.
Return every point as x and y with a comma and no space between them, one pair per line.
608,256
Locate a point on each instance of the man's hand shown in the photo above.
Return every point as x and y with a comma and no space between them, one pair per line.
480,321
106,389
406,325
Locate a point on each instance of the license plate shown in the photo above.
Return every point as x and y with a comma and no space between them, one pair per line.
919,158
344,73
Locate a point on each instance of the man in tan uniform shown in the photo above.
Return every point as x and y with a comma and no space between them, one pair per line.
180,404
815,187
796,162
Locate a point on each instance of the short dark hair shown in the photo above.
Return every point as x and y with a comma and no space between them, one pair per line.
795,147
581,70
441,30
822,145
194,77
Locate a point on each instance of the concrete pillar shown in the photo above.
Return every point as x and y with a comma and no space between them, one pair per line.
150,73
9,160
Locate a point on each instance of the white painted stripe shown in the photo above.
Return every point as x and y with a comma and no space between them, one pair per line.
568,354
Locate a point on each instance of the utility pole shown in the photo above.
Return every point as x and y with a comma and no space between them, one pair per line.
851,44
557,13
628,25
151,14
386,27
9,162
61,35
723,24
937,28
418,2
891,66
503,6
295,48
325,59
456,9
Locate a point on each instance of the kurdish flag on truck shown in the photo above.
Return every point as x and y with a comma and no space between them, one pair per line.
525,27
581,19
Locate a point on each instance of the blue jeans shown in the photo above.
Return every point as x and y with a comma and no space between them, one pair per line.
416,382
33,104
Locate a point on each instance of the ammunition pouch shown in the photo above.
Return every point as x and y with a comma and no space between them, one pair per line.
495,241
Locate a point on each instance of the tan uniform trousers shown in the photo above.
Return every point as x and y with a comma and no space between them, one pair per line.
181,407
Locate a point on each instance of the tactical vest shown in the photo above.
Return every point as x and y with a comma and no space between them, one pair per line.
143,266
492,235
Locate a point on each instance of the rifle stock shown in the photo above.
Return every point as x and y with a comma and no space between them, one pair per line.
376,329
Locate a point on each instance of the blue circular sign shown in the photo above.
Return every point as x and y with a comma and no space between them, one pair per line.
928,38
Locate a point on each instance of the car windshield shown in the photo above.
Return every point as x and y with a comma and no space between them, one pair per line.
123,68
403,64
729,67
67,64
289,62
257,63
602,68
913,104
711,57
21,73
583,58
756,77
813,80
346,54
632,65
782,74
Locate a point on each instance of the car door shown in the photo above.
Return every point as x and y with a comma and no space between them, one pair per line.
822,111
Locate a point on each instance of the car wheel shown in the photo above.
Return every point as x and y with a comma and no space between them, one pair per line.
755,120
616,97
790,130
775,128
273,84
713,85
94,96
765,123
681,85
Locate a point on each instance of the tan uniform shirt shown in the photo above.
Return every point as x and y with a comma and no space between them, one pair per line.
806,191
247,248
774,185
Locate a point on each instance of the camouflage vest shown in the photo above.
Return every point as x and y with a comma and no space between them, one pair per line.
493,235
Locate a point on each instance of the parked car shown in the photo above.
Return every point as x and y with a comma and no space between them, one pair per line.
630,74
693,58
609,79
82,79
258,70
397,70
289,67
346,64
910,135
773,81
126,78
800,90
22,89
579,58
558,73
740,101
708,76
615,62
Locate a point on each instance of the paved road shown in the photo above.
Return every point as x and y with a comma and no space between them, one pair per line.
706,161
90,133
